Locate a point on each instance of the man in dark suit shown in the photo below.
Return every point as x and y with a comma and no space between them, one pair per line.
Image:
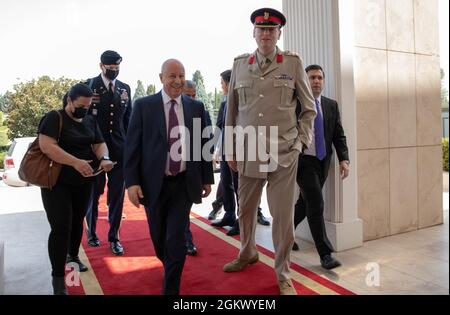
228,178
111,106
165,170
314,164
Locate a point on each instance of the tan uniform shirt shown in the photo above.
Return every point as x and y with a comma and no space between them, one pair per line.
264,97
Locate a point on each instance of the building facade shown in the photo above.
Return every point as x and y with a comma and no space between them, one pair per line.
381,58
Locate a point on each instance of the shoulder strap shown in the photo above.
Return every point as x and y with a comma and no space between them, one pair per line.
60,123
91,83
242,56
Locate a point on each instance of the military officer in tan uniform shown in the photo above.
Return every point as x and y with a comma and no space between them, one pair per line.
265,89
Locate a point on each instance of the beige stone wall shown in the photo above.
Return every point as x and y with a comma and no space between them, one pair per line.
397,82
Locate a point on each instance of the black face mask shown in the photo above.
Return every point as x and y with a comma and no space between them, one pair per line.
111,74
80,112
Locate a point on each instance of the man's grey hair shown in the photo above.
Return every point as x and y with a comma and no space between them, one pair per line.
191,84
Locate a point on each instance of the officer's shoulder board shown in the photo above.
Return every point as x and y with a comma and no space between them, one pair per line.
243,56
291,54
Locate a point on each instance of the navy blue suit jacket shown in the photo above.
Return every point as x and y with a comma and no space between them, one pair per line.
147,146
112,114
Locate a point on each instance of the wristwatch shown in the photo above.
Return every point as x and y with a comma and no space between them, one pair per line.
105,158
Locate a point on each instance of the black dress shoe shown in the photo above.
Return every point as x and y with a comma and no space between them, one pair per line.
262,220
76,260
234,230
328,262
117,248
217,209
93,242
295,247
191,250
59,286
224,222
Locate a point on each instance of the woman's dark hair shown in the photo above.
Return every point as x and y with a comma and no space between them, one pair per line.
226,76
76,91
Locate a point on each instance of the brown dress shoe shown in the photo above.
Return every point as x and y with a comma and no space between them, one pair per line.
239,264
287,288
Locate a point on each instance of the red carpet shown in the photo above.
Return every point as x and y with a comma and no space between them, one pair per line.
140,272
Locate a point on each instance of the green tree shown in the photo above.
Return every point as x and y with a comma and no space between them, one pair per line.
151,89
217,96
31,100
201,91
4,102
444,91
3,133
140,91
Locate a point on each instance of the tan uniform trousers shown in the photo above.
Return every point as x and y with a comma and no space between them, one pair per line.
281,186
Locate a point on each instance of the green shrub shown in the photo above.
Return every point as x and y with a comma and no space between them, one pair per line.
2,156
3,136
445,153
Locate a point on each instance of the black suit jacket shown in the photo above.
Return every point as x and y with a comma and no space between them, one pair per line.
334,133
221,115
147,146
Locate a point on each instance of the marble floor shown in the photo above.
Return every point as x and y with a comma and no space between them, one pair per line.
411,263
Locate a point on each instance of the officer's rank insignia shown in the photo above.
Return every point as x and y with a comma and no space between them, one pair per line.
279,58
251,60
94,112
266,15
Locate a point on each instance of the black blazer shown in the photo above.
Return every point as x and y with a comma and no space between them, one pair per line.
334,133
146,149
221,115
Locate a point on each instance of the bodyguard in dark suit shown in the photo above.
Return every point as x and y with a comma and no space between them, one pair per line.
314,164
159,176
111,106
228,178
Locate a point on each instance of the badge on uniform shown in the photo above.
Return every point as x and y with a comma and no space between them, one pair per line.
284,77
102,90
94,112
124,95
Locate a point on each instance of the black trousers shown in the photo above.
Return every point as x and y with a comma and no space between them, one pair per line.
65,207
311,177
116,194
167,221
219,193
229,180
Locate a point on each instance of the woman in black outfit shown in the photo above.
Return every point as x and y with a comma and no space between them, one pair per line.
82,151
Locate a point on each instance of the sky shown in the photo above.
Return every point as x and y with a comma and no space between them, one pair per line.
66,37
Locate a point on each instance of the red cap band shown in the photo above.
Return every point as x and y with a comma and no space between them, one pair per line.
270,19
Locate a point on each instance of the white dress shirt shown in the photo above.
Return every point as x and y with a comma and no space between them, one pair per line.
106,82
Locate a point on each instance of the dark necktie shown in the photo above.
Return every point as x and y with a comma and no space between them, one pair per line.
174,166
321,151
265,63
110,88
